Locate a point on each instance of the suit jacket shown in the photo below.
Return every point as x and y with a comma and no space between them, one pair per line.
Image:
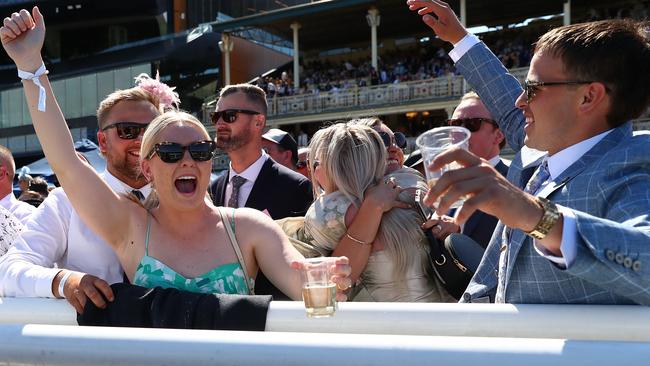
280,191
608,191
480,225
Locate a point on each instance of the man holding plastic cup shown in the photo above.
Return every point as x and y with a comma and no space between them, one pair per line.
574,224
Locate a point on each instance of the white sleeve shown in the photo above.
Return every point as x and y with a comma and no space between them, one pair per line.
568,245
461,48
27,268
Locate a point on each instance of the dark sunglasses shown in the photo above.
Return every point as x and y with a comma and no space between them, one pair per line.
472,124
229,115
301,164
171,152
398,138
127,130
531,87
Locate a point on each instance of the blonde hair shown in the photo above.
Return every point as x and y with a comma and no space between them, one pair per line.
151,138
352,156
135,94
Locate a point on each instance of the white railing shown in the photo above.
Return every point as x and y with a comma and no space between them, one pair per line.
440,88
64,345
584,322
393,334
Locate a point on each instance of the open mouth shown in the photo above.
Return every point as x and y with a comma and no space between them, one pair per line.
134,153
185,184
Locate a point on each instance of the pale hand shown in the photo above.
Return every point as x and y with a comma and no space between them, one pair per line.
384,196
444,21
22,36
441,226
340,271
487,190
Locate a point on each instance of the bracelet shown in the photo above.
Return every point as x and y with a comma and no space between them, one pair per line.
62,283
25,75
356,240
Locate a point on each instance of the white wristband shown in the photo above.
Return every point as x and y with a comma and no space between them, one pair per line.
34,78
62,283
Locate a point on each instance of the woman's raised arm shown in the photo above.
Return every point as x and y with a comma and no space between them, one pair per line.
22,37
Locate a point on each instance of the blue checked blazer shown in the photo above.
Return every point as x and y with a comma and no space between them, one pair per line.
608,189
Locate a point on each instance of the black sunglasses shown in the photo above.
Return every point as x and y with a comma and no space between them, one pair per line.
301,164
171,152
398,138
531,87
127,130
472,124
229,115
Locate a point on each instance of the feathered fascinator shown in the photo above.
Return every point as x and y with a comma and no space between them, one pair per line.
166,94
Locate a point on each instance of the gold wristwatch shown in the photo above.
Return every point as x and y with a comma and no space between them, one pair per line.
548,220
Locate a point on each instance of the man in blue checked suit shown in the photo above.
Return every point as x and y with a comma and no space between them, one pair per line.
574,222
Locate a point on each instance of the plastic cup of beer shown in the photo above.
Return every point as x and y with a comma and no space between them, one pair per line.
318,289
434,142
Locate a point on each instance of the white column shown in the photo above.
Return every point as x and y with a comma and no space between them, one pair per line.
463,12
296,67
567,12
226,45
373,19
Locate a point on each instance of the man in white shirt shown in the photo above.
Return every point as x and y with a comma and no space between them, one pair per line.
56,247
574,225
20,210
253,179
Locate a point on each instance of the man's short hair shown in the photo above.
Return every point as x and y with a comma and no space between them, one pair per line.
135,94
253,93
615,52
472,95
7,159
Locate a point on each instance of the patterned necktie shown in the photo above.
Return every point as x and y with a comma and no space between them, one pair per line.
540,176
236,181
138,194
536,181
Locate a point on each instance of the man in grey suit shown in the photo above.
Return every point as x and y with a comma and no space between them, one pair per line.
574,224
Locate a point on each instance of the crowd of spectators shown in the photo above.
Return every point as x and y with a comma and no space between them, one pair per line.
424,60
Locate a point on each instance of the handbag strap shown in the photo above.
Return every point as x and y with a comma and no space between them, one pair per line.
233,241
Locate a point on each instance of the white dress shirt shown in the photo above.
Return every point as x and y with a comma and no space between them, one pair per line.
56,236
250,174
21,210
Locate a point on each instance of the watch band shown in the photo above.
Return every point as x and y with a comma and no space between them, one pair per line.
549,218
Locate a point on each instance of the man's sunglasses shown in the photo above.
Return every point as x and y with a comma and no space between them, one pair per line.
171,152
127,130
229,115
531,87
301,164
398,139
472,124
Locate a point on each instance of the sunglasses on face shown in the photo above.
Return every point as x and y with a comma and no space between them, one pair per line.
301,164
171,152
229,115
472,124
398,139
127,130
531,87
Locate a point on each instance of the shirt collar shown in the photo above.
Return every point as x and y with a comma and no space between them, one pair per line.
120,187
494,160
8,199
560,161
252,171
